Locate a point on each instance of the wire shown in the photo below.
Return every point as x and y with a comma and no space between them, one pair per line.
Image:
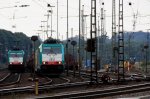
4,16
7,7
148,0
39,4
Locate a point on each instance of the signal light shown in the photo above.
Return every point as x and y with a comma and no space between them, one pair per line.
91,45
34,38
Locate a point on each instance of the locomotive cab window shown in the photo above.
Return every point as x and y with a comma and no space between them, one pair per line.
16,55
53,50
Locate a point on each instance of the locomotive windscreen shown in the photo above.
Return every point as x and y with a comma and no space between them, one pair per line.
50,53
16,55
52,50
15,58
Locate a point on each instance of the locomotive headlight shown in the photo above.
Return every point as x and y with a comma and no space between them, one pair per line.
10,63
43,62
59,62
20,63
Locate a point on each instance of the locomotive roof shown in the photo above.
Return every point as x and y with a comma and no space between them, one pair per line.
15,51
51,41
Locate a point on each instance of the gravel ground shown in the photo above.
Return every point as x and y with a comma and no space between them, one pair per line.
130,96
26,80
76,89
3,74
73,79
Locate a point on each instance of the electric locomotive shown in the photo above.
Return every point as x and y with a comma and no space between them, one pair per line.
49,58
16,61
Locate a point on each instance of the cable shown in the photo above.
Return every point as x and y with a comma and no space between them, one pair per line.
39,4
4,16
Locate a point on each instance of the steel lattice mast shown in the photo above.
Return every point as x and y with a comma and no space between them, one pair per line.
114,46
102,37
93,36
120,43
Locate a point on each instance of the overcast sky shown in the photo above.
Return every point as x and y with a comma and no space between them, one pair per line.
28,19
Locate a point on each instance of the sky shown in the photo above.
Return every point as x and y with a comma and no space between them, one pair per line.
29,19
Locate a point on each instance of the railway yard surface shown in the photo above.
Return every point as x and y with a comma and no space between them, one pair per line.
74,49
22,86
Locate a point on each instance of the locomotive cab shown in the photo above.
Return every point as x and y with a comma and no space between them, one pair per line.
16,60
50,58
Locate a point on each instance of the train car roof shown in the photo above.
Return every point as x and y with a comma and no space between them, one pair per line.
51,41
14,51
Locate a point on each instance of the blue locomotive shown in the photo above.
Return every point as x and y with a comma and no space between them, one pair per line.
49,58
16,61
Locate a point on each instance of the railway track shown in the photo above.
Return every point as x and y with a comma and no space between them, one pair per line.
3,77
100,93
41,87
48,82
60,80
67,84
95,93
10,79
112,77
63,86
52,83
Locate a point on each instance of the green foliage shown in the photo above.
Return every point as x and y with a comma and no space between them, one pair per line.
136,47
9,40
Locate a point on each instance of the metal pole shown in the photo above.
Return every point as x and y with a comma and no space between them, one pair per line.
91,52
36,86
47,24
146,49
146,59
114,43
51,17
102,39
74,63
57,19
51,21
86,40
79,34
120,44
98,42
34,62
0,52
72,38
67,40
83,34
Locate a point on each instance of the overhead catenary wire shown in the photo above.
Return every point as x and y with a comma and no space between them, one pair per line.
39,4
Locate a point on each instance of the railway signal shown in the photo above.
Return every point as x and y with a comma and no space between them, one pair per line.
73,43
146,58
34,38
93,41
90,45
